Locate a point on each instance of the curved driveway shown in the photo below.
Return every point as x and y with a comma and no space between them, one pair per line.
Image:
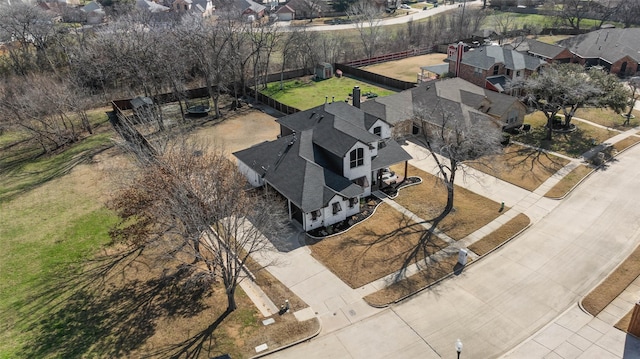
501,300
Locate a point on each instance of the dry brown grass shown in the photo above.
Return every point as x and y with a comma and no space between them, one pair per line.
273,288
428,199
374,248
500,235
406,69
623,323
410,285
626,143
569,181
522,166
613,285
607,117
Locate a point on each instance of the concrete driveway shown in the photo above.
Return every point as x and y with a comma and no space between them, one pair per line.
503,299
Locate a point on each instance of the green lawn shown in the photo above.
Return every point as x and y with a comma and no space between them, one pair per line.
304,93
542,21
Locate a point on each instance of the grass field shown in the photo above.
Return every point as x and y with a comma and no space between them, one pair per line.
568,182
51,305
608,118
305,93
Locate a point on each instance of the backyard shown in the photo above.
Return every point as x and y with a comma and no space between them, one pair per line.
406,69
305,93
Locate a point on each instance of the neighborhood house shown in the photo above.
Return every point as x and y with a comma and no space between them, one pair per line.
451,97
326,159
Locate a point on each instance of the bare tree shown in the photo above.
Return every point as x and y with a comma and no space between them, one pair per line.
453,134
46,108
33,30
311,8
628,12
568,87
634,84
367,20
191,203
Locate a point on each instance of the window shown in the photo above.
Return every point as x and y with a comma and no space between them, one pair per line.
315,215
518,73
356,157
508,72
377,131
353,202
496,68
336,207
477,71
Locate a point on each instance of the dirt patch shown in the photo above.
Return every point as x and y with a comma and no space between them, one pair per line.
406,69
613,285
500,235
239,132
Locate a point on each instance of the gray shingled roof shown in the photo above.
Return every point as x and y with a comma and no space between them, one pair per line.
540,48
297,165
485,57
456,91
608,44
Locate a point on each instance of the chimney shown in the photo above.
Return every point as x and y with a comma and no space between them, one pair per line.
459,52
356,96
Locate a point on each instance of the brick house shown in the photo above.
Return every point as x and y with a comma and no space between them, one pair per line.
615,50
494,67
548,52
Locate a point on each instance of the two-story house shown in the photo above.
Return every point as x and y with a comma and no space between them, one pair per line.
325,160
548,52
494,67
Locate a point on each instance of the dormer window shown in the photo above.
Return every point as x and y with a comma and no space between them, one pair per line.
377,131
356,158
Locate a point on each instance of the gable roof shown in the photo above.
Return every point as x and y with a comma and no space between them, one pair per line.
539,48
610,45
454,95
91,6
150,6
249,5
295,165
337,126
486,57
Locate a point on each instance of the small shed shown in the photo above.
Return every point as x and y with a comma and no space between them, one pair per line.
286,13
324,71
142,107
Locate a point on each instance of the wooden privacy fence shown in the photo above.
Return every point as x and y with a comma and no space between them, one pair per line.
375,78
390,57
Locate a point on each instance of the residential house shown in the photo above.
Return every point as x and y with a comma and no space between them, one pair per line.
616,50
286,13
548,52
249,9
150,6
94,13
494,67
325,160
203,8
306,9
449,97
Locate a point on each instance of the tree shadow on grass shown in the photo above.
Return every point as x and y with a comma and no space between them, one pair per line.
572,144
88,314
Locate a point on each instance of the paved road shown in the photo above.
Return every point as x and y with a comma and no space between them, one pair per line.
502,300
413,16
